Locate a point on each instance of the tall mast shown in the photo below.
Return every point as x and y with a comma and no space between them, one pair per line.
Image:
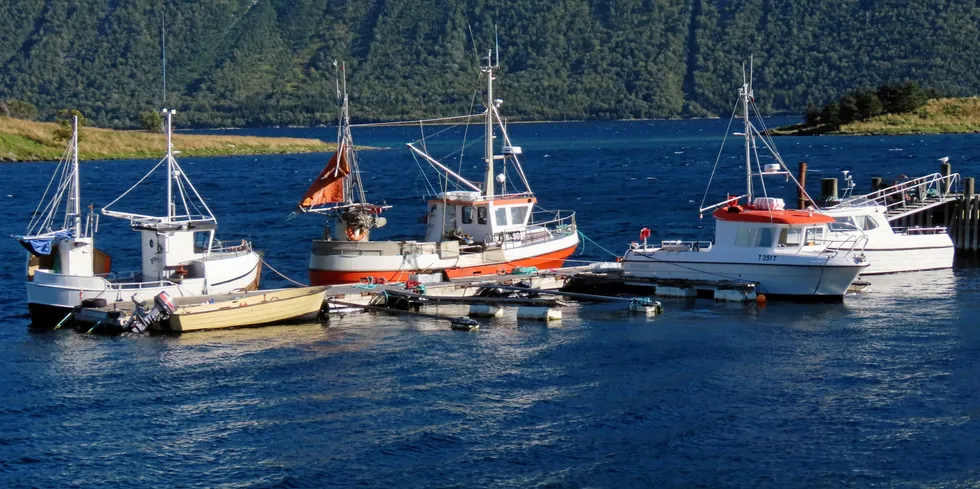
76,191
488,185
746,93
170,166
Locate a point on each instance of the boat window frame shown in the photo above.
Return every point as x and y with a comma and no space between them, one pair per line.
466,212
784,235
482,213
499,212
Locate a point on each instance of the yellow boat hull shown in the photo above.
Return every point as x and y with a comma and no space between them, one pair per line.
254,309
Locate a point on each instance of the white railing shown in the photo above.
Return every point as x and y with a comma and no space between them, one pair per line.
898,197
543,226
920,230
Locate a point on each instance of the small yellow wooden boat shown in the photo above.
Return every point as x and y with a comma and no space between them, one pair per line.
255,308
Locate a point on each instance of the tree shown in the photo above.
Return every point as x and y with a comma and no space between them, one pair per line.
812,117
19,109
64,120
868,104
831,114
901,97
848,109
151,121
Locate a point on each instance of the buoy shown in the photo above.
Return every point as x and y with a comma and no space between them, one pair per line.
485,311
538,313
464,324
760,299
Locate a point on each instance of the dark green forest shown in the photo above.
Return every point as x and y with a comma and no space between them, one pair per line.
270,62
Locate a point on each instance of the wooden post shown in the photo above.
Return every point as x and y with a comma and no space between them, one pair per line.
801,202
945,169
828,188
966,241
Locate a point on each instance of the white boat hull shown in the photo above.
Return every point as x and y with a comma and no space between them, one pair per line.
797,276
51,296
908,253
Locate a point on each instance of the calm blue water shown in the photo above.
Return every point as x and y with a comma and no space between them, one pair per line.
879,390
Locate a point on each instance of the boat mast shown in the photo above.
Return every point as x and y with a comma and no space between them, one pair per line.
170,166
488,183
76,191
745,93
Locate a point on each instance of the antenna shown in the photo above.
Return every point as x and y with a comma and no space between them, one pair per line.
751,66
496,46
163,43
473,42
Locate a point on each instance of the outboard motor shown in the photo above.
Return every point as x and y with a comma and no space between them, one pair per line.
163,307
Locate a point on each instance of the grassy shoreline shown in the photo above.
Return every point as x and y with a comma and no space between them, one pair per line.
22,140
937,116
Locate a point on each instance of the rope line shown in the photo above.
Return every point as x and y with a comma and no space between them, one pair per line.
277,272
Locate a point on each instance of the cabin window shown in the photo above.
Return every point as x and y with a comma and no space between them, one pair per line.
814,236
481,215
789,237
518,214
201,239
869,223
500,216
754,237
763,238
468,214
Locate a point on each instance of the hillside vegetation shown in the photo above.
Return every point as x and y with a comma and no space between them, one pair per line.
938,116
34,141
270,62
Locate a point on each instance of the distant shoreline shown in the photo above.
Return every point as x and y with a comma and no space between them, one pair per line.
937,116
30,141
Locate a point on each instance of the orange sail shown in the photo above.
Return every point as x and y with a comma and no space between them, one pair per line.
329,186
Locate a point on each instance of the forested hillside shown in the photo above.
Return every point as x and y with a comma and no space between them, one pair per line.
270,62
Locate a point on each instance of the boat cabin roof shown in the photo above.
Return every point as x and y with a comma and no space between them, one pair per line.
737,213
476,198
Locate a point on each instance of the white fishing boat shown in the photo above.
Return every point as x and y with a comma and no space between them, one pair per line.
471,229
786,252
902,249
180,254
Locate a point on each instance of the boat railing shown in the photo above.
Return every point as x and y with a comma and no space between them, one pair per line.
543,226
854,243
132,280
936,187
921,230
220,247
678,245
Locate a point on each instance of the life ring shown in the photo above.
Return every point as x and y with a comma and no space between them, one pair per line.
355,234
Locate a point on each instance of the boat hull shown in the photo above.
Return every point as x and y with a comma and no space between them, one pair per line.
271,307
49,291
909,254
331,269
823,278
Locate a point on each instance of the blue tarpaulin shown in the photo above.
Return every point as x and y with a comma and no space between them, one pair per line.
42,246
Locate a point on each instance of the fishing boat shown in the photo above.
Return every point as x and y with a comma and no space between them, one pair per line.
180,254
471,228
787,252
890,249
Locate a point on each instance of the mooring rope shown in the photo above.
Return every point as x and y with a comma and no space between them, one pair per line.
277,272
584,237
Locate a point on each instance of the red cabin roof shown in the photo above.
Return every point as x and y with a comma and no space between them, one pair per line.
792,217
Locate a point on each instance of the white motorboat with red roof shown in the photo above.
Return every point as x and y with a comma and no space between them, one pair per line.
786,252
179,251
471,228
